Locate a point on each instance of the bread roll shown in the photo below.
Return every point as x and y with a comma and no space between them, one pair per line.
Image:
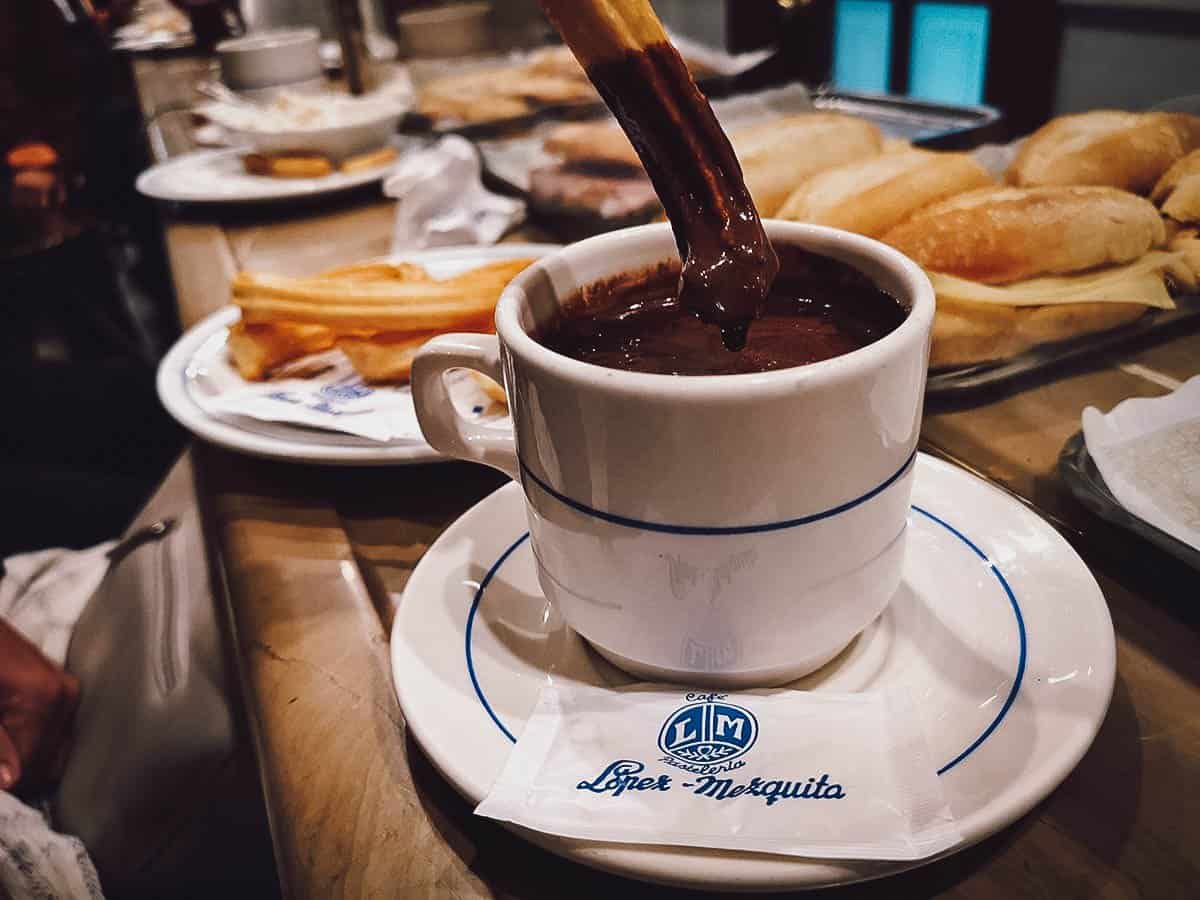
1178,191
592,142
777,155
1001,235
969,333
557,60
1107,147
1187,242
871,196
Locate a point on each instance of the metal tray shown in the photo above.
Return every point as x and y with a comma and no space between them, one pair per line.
509,158
927,124
971,385
1084,481
924,123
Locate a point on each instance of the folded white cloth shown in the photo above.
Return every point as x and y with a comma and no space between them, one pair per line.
443,201
1148,450
42,595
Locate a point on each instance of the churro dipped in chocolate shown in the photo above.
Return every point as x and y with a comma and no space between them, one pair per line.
728,263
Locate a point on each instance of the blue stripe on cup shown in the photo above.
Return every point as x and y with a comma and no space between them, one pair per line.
717,529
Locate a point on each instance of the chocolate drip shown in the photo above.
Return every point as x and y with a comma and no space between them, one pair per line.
728,263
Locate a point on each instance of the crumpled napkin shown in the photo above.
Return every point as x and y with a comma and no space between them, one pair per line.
42,595
1148,451
443,201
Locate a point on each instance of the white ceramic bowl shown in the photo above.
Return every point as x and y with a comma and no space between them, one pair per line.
270,58
455,30
338,142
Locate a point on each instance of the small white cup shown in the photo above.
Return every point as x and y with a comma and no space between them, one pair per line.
272,58
731,530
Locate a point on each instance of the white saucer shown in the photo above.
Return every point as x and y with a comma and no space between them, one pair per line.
217,176
999,631
198,364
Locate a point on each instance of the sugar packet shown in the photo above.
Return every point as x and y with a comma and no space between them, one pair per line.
324,391
835,776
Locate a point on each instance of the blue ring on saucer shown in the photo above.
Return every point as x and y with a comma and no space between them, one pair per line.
487,579
971,748
717,529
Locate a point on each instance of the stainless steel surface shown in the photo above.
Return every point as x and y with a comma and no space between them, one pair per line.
913,120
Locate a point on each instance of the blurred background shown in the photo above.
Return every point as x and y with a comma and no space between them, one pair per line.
83,277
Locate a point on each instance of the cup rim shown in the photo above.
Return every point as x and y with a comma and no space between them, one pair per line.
816,238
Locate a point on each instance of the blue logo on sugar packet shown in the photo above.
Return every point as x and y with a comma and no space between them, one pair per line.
346,390
705,737
707,733
329,398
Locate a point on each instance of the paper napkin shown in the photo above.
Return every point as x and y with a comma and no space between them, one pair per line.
442,200
1148,450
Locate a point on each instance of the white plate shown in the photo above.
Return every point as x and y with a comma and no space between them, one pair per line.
217,176
198,358
154,41
998,630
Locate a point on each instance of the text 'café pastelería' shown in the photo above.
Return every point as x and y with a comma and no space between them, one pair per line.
566,448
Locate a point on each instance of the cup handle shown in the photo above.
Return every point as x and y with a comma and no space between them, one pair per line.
445,430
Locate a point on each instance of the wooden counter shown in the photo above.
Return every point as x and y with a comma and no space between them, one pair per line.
313,559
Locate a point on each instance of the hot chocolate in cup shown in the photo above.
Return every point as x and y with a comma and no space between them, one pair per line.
725,530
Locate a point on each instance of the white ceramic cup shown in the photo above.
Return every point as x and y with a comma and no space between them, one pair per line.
727,530
272,58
